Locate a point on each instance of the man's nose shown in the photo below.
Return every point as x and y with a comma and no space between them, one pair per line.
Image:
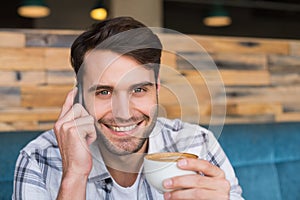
121,106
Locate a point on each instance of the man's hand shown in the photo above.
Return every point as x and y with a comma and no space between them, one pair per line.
212,185
74,131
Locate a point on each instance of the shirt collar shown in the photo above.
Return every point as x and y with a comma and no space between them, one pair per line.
99,170
155,139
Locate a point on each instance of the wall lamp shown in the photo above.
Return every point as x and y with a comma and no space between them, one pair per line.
217,17
33,9
99,12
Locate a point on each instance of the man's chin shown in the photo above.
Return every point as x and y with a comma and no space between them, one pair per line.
124,142
122,147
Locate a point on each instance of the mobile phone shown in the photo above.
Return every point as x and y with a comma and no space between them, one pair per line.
79,96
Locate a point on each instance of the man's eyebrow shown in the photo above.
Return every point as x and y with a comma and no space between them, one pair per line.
143,84
99,87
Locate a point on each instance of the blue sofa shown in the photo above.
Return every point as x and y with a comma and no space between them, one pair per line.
10,145
266,158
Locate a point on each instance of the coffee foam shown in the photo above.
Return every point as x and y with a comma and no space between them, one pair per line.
169,156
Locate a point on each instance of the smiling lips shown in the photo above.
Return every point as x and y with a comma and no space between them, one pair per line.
123,128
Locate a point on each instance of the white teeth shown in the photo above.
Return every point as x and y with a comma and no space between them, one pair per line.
123,128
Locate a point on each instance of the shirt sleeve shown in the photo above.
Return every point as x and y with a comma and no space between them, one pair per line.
217,156
29,182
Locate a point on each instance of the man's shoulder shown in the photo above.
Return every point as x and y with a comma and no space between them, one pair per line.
176,132
45,142
38,167
177,125
175,135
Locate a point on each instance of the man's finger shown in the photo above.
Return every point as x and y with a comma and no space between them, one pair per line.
192,181
194,194
85,125
76,111
68,102
82,127
86,128
201,166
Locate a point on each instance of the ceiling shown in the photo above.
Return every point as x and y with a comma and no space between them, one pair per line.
250,18
65,14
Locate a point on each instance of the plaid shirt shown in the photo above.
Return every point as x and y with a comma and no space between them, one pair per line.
39,167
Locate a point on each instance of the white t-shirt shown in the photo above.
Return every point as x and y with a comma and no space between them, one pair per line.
132,192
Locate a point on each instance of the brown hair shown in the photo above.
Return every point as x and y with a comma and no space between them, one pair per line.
136,40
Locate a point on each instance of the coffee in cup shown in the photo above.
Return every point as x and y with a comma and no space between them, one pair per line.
161,166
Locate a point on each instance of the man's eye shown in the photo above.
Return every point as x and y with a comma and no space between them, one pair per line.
138,90
103,92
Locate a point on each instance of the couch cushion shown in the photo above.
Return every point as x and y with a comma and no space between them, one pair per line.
287,142
289,178
261,143
259,182
266,158
248,144
10,145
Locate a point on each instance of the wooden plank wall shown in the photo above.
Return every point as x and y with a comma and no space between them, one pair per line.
261,79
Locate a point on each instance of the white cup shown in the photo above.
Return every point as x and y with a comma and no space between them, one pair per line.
161,166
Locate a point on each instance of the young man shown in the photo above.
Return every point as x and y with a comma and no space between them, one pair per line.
96,148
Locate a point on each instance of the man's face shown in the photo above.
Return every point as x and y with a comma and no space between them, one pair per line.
122,97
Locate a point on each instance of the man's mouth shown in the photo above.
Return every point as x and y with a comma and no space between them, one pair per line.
123,128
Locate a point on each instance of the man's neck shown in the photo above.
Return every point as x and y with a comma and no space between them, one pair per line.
124,179
124,169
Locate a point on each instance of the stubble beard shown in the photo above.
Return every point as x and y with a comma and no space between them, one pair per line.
131,144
